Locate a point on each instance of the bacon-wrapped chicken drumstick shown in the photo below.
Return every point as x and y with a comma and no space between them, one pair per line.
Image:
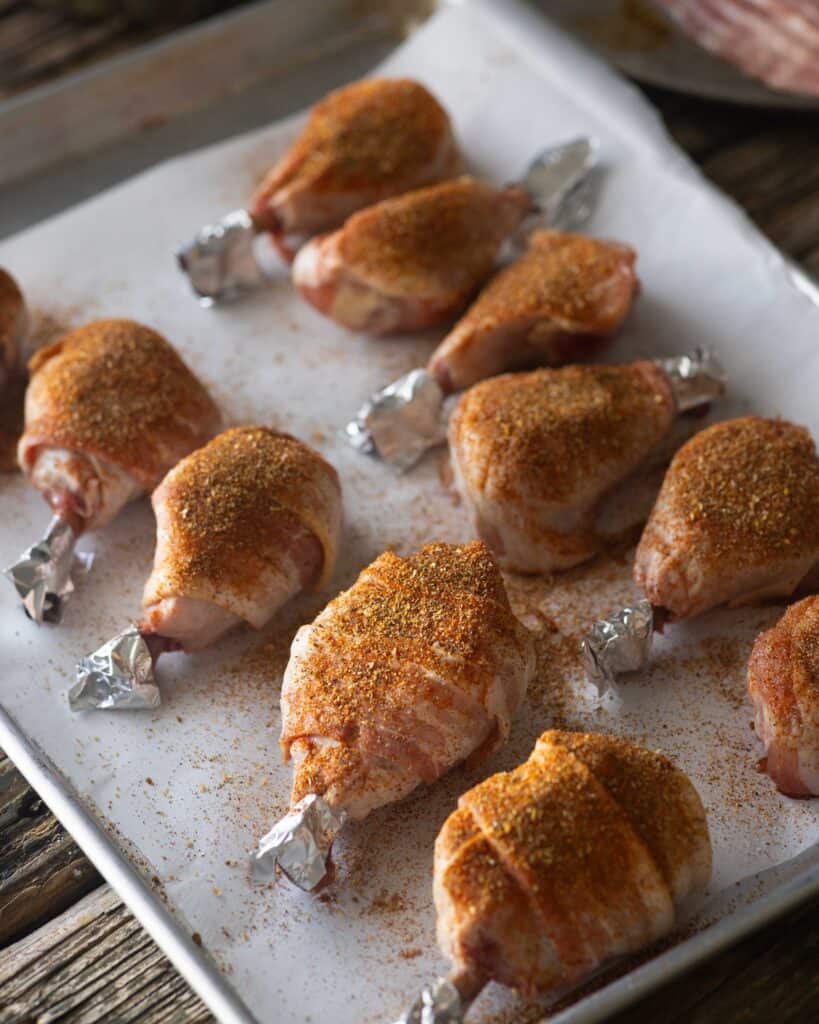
243,525
783,681
542,459
363,143
110,407
736,522
410,262
419,665
587,851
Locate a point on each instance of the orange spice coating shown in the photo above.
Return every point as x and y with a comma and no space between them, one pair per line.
548,431
582,852
443,239
736,519
434,609
559,276
117,390
418,664
375,135
783,682
228,507
791,649
750,485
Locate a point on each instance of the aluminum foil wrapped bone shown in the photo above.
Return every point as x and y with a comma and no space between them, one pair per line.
42,574
402,421
696,378
119,676
562,183
408,417
621,643
299,844
222,260
439,1003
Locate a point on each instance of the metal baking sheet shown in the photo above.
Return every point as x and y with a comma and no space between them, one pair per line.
168,804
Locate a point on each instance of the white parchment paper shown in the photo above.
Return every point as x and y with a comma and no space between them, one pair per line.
188,788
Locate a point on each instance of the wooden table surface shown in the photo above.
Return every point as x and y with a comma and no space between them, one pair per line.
70,953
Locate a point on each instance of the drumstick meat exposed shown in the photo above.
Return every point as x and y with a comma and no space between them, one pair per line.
560,302
783,682
413,261
419,665
243,525
362,143
587,851
542,459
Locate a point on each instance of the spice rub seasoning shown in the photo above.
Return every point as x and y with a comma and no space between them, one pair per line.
561,276
117,390
417,665
232,510
547,432
436,241
749,486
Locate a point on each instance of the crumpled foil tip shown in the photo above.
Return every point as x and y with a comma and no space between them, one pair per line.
620,643
698,377
119,676
299,844
401,421
220,262
561,181
438,1003
42,574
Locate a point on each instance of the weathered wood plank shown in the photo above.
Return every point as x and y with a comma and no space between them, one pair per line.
42,870
699,997
92,965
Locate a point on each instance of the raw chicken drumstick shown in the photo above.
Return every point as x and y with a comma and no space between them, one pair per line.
587,851
363,143
419,665
13,326
410,262
783,681
542,459
562,301
243,525
366,142
110,407
736,522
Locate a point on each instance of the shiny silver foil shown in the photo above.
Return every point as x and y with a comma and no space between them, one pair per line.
407,417
221,261
561,183
119,676
621,643
696,378
401,421
42,574
299,844
439,1003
